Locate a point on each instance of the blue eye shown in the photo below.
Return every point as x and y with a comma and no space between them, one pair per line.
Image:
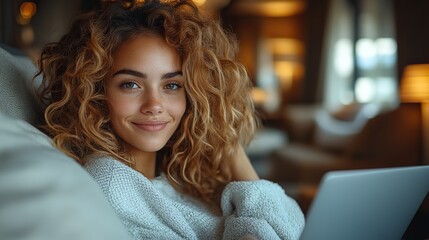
129,85
173,86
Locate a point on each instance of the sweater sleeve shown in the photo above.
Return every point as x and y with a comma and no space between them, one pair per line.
260,210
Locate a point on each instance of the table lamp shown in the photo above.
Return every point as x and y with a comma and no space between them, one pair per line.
415,88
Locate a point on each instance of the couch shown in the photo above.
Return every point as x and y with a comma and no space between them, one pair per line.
44,194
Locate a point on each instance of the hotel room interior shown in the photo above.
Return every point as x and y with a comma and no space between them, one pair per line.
338,84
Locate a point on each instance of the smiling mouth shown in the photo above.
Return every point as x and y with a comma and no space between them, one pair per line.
151,126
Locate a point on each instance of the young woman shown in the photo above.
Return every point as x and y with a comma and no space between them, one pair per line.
150,99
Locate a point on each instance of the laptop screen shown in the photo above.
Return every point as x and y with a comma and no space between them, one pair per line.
366,204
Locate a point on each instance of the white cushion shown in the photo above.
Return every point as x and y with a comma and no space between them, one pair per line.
44,194
17,93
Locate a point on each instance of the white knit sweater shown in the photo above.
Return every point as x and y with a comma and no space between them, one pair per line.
153,209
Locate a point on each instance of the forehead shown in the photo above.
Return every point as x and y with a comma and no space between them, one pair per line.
148,51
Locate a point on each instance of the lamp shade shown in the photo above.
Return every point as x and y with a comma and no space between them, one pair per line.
415,83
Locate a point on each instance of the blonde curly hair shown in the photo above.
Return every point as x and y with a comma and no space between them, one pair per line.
219,115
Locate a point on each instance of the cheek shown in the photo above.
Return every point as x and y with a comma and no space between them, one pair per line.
180,107
119,107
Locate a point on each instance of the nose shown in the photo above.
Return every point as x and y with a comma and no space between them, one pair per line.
152,104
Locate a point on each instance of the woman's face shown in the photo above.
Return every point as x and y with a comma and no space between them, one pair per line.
145,94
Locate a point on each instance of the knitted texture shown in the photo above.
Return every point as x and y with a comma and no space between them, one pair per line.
153,209
17,93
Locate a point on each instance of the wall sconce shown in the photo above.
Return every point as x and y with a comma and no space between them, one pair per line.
415,88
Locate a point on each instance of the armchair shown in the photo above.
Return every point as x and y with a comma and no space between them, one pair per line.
354,137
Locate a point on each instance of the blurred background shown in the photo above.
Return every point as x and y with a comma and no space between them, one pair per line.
338,84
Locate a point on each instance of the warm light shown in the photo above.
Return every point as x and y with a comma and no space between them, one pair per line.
197,2
281,8
286,46
287,71
22,21
415,83
271,8
415,88
27,10
27,35
284,71
259,96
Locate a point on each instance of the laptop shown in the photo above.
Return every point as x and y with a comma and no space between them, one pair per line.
366,204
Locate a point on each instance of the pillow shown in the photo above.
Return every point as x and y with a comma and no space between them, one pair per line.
17,95
44,194
337,133
347,113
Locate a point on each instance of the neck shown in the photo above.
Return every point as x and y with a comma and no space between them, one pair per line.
145,163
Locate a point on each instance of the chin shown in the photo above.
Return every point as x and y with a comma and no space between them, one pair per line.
152,148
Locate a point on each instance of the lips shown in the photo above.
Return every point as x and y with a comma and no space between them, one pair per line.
151,126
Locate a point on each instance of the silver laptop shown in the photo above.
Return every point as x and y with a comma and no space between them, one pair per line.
366,204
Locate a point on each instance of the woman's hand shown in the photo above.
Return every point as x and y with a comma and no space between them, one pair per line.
241,168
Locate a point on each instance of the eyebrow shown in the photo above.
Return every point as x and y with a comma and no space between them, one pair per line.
143,75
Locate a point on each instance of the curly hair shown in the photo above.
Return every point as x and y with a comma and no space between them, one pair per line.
219,116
